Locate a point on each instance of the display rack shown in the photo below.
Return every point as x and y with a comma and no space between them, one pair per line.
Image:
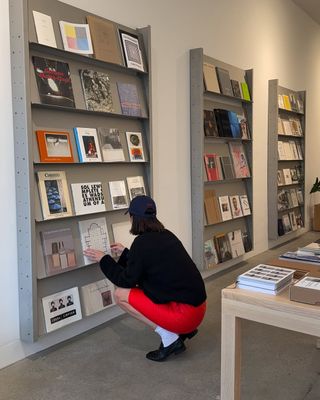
278,229
31,115
202,99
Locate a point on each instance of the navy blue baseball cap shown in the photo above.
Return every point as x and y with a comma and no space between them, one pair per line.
142,206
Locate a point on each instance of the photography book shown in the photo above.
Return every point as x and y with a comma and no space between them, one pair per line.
223,247
111,146
76,37
96,90
239,159
135,146
118,194
224,81
132,51
236,209
225,208
54,194
87,144
44,29
88,198
129,99
209,124
135,186
210,78
54,82
236,243
97,296
210,254
54,147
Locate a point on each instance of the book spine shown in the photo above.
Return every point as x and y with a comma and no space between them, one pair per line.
76,136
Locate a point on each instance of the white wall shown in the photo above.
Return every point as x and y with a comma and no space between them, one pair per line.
272,36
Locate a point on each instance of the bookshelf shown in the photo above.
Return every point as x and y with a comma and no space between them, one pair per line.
31,115
286,163
202,99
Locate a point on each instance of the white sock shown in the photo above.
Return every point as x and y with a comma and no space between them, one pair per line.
167,337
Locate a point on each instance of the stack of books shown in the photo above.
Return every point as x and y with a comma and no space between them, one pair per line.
308,254
266,279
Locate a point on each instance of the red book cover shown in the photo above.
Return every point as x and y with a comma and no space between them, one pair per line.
210,161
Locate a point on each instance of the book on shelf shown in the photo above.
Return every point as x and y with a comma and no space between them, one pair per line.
286,102
97,296
87,144
223,247
135,186
225,208
236,243
294,198
294,175
245,206
54,194
280,227
129,99
118,194
280,101
293,221
281,151
210,78
209,124
211,207
239,159
54,147
299,151
287,176
223,122
132,51
280,127
104,40
287,228
244,127
300,104
300,196
293,102
212,167
44,29
283,200
121,234
236,131
76,37
58,251
286,127
294,150
111,146
280,177
247,244
135,146
227,167
235,205
245,91
236,88
54,82
94,235
295,125
224,81
61,309
96,90
88,198
210,254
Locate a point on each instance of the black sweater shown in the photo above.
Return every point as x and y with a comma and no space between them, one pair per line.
158,264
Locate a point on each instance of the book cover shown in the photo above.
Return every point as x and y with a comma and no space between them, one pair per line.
61,309
87,144
54,194
281,151
236,209
280,101
224,81
239,159
44,29
287,176
245,91
97,296
209,124
210,254
236,243
223,248
94,235
111,146
76,37
244,128
280,177
236,88
294,150
105,40
121,234
286,127
225,208
223,122
234,125
135,186
245,205
294,198
211,207
294,175
299,151
247,244
129,99
58,251
286,102
96,90
227,167
135,146
54,147
88,198
210,78
132,51
283,200
280,127
118,194
293,221
293,102
286,223
54,82
210,162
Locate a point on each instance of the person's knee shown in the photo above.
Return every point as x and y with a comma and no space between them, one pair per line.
121,295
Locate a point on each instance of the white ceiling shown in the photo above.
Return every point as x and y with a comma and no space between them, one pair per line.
311,7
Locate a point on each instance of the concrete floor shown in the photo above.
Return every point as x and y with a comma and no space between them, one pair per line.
109,362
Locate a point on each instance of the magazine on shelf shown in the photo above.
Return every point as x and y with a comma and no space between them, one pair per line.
210,78
225,208
76,37
236,243
87,144
236,209
88,198
239,159
54,147
61,309
236,131
129,99
132,51
247,244
97,296
44,29
135,146
54,194
280,126
135,186
96,90
210,254
111,146
121,234
54,82
118,194
280,177
94,235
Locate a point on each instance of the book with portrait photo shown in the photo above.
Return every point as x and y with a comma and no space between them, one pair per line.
225,208
239,159
118,194
129,99
235,205
135,146
54,147
132,51
97,296
111,146
223,247
135,186
87,144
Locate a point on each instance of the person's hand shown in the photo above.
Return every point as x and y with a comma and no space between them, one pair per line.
94,255
117,248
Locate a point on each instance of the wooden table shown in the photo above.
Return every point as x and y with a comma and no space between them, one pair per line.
238,304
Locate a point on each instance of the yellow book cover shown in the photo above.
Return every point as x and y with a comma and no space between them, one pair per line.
286,102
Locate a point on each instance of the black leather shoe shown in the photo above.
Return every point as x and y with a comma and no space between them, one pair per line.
189,335
164,352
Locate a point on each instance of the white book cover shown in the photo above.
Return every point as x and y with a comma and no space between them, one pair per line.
132,51
309,282
236,243
294,198
44,29
287,176
235,206
118,194
280,101
111,146
287,127
245,204
287,151
225,208
121,233
286,223
293,221
299,150
94,235
97,296
88,198
281,153
61,309
280,127
136,186
135,146
76,37
87,144
295,155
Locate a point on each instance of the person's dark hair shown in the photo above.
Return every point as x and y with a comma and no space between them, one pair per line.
141,225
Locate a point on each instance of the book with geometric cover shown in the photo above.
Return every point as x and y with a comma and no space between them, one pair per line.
97,296
111,147
132,52
129,99
135,186
96,90
239,159
76,37
54,194
54,82
88,198
87,144
135,146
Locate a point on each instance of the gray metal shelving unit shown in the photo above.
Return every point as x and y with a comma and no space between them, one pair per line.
30,115
200,100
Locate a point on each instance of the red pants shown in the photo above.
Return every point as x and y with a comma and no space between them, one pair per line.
175,317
